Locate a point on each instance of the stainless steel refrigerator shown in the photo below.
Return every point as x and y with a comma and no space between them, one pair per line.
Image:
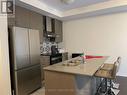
24,60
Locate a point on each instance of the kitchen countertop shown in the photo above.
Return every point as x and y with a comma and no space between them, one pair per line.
89,68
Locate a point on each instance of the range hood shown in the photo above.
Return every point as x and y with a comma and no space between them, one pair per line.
50,35
48,27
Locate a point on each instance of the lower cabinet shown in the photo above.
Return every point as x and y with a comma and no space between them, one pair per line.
45,61
71,84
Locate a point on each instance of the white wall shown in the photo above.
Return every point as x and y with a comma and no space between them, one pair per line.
4,58
101,35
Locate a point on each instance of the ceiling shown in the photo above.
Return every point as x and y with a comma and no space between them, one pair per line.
75,10
58,5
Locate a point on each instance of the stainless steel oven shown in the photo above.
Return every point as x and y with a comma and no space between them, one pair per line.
56,58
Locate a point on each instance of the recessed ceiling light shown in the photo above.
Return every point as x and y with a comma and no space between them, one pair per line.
67,1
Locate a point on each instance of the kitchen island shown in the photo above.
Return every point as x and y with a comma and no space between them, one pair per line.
72,80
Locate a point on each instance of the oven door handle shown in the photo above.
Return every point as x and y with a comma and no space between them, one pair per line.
57,58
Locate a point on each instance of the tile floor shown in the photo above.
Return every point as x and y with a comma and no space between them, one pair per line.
40,91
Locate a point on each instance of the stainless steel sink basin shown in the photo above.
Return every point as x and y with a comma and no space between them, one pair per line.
72,63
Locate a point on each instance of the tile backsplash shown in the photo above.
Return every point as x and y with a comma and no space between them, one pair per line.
45,48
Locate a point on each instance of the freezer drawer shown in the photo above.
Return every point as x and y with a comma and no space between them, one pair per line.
27,80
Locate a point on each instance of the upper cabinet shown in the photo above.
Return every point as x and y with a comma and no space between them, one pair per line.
30,19
54,26
48,24
47,21
27,19
36,22
22,17
57,28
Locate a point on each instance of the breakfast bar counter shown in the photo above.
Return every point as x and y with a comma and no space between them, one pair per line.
72,80
88,68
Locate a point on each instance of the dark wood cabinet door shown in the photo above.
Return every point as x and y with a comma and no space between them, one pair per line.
36,22
45,61
58,30
49,24
22,17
